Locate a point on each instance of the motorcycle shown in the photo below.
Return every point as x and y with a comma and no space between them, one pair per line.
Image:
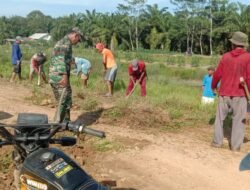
42,167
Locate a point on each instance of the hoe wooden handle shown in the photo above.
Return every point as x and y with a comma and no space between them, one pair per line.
39,76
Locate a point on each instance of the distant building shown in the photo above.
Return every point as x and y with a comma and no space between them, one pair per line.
40,36
10,40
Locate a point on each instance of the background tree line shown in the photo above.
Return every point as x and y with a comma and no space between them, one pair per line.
195,26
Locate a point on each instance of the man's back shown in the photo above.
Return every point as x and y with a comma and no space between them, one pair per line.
16,53
83,65
108,58
61,59
232,66
141,68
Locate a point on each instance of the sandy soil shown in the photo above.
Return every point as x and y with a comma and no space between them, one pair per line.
148,159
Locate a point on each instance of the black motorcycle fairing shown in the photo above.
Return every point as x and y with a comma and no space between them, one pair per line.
61,172
32,118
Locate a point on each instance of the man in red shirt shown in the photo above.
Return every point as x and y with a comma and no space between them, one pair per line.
233,66
137,73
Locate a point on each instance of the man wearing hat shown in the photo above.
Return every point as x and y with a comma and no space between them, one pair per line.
233,70
16,59
59,71
137,74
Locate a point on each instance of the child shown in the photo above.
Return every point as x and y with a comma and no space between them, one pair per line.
207,93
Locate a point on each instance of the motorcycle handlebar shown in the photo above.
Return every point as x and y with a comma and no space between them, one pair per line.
82,129
64,126
32,138
94,132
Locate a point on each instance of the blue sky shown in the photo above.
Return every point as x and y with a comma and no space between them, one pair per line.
57,8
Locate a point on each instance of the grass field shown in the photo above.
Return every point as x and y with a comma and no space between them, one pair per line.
173,85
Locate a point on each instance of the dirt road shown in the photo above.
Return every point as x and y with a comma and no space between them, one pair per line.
146,159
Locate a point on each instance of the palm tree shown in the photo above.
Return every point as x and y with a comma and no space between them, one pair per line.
132,11
238,17
90,21
156,24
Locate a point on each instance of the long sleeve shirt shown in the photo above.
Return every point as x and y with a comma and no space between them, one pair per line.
141,68
233,65
16,53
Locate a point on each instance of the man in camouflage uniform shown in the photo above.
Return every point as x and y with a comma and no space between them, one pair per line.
59,72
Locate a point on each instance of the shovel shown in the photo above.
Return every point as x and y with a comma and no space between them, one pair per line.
131,92
135,84
39,76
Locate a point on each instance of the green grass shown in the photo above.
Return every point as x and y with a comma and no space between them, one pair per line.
106,145
5,162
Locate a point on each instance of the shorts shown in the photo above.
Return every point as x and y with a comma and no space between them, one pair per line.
207,100
32,70
111,74
17,68
84,76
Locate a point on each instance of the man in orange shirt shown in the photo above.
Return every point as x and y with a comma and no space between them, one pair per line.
110,67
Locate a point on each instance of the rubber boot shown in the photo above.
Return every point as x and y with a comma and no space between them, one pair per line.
67,116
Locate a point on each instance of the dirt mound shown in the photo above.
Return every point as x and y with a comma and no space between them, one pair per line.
137,117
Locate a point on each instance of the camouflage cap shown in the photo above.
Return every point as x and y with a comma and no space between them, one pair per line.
239,38
78,31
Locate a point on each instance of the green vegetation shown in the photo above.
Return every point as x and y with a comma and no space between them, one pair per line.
105,145
5,162
173,89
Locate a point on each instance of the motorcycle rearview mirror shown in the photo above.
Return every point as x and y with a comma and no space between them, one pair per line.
68,141
245,163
